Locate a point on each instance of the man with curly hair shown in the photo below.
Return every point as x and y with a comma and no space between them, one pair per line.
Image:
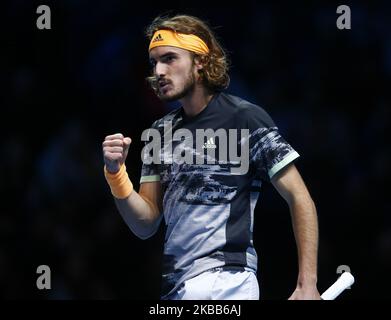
207,207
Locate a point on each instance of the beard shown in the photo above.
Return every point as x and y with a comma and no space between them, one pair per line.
188,86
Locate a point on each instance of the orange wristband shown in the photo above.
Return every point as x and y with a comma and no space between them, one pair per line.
120,184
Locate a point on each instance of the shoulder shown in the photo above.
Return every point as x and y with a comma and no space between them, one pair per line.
248,112
170,117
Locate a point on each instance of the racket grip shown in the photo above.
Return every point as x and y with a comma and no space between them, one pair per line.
343,282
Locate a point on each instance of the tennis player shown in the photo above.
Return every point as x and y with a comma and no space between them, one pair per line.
208,206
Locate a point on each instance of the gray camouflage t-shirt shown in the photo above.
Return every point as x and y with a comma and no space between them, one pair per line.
208,210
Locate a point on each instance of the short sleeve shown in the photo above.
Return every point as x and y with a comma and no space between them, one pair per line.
269,151
149,171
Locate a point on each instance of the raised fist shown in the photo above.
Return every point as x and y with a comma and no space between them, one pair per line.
115,151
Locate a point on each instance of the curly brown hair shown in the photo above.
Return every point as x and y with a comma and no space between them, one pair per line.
214,74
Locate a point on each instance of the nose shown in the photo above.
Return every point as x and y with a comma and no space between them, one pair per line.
160,69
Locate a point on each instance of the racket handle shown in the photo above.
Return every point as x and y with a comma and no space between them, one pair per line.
343,282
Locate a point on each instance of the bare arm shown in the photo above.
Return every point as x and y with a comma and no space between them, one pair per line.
141,211
292,188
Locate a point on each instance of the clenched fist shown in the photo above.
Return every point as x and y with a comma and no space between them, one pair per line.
115,151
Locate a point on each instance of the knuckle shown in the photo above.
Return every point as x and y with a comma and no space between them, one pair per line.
119,143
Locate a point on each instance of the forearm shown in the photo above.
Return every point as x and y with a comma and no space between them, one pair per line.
305,227
140,214
140,211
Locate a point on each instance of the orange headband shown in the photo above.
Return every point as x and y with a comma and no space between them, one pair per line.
185,41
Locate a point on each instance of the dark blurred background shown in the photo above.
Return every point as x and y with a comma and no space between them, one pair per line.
63,90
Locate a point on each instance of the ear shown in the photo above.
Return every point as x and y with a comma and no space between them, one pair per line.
198,63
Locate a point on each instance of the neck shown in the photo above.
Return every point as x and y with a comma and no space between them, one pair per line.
196,100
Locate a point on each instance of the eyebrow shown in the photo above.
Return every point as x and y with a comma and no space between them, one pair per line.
164,55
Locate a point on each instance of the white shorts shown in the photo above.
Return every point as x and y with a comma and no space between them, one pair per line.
219,284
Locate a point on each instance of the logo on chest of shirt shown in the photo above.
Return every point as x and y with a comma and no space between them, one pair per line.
210,144
179,147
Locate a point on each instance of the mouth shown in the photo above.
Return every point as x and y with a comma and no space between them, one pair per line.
163,85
